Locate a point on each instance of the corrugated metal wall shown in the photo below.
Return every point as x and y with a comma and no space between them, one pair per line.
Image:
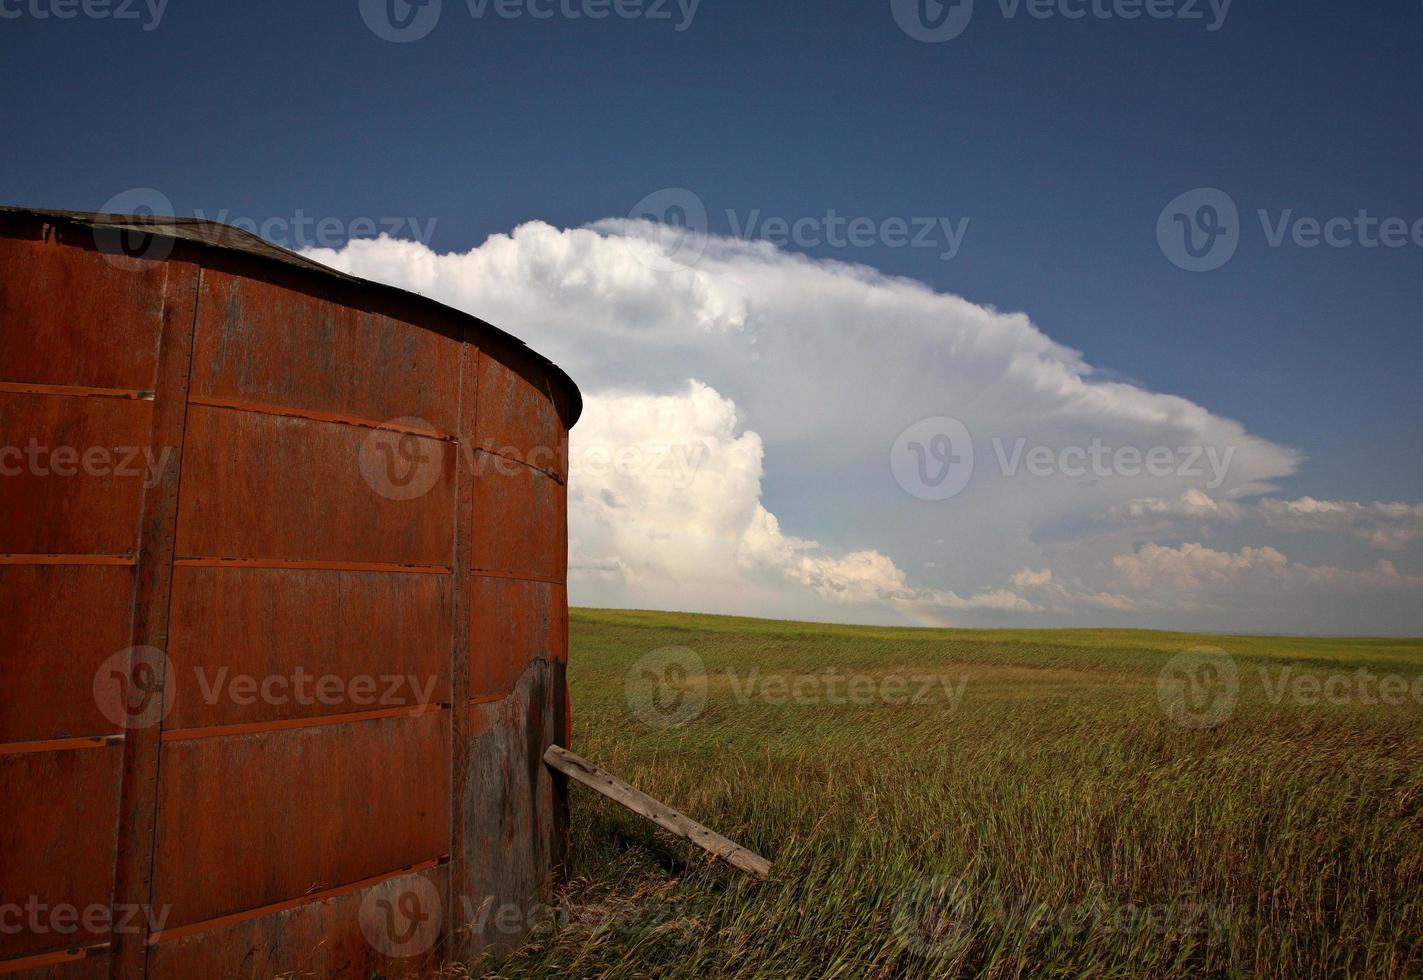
357,487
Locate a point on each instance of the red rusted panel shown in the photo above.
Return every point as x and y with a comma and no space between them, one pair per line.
72,472
67,317
259,486
331,642
62,622
277,815
57,825
265,343
513,622
519,420
310,506
519,520
390,929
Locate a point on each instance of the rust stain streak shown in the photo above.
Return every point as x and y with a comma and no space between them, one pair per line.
327,566
287,724
262,408
169,935
59,744
551,474
74,391
491,573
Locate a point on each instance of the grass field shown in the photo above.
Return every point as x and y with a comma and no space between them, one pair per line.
987,803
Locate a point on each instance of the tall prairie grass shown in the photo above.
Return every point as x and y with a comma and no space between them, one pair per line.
1050,819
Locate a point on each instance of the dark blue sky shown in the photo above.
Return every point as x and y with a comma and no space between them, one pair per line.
1062,141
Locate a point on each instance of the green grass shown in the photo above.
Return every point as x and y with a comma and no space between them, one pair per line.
1051,821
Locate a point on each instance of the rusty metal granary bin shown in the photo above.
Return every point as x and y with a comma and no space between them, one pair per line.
282,581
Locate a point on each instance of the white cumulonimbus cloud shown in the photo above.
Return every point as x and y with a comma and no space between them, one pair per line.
741,413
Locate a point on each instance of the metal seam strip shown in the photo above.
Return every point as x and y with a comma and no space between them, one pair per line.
300,564
553,475
180,932
263,408
60,744
157,533
291,724
74,391
69,954
489,573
